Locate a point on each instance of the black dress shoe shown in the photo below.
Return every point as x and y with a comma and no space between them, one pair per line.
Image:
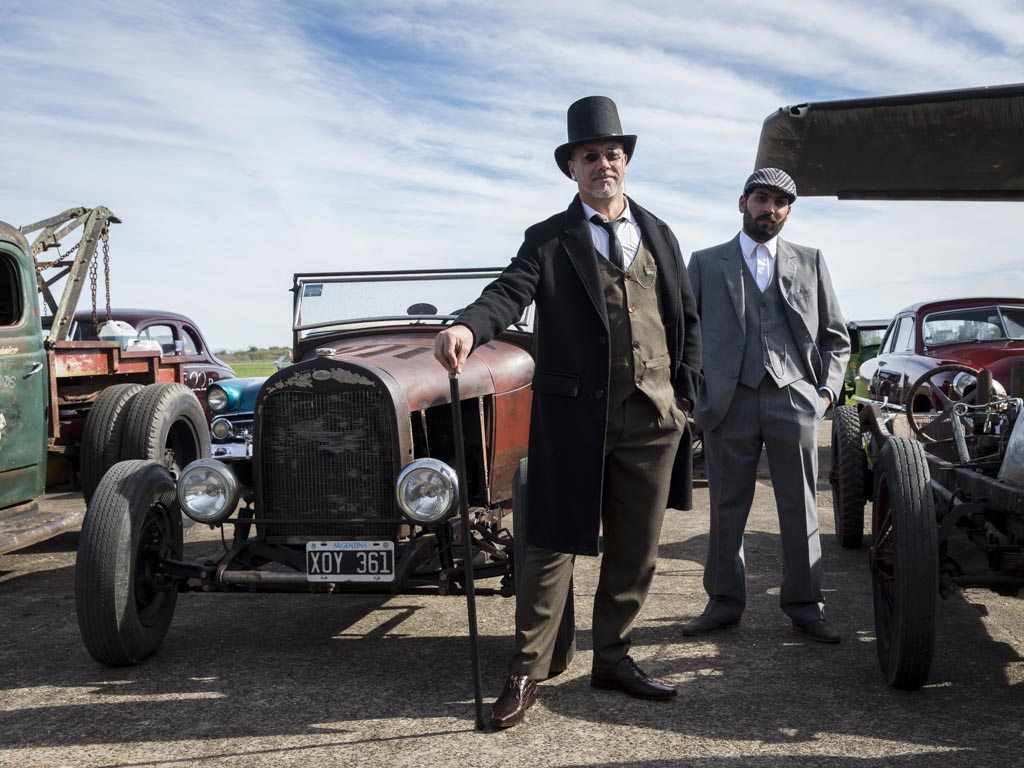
627,677
820,630
705,625
510,708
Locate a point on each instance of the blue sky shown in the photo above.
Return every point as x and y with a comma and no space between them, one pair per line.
241,142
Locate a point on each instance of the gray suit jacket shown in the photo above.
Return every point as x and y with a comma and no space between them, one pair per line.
812,311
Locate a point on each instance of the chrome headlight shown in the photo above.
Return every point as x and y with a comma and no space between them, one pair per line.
207,491
217,399
964,381
427,490
221,429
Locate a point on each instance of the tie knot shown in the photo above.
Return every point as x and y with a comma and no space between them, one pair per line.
608,226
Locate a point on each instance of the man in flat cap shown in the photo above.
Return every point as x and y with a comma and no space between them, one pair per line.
617,351
775,349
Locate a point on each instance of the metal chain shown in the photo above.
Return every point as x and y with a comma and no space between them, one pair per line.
41,265
92,290
106,267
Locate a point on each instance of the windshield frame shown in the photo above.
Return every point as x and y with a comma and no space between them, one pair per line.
303,329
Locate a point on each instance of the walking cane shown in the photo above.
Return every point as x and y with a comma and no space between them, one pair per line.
467,557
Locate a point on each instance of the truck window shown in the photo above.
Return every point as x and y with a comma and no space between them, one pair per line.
10,292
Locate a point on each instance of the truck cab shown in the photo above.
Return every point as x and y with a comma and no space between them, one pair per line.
24,375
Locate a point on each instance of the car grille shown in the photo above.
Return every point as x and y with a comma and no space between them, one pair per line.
327,456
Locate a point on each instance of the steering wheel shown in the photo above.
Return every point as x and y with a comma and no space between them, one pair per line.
947,403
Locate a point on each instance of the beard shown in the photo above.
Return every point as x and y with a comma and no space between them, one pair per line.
763,228
603,190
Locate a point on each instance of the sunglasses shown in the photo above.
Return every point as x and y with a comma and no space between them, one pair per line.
612,156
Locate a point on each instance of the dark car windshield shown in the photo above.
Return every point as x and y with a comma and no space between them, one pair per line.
973,324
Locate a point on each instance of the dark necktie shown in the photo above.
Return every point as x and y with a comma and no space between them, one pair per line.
614,246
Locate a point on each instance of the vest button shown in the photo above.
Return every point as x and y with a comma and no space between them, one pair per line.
598,394
639,382
632,309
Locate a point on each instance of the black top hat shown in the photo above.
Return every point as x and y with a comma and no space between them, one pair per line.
594,118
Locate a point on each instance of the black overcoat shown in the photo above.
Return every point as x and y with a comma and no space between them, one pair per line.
556,268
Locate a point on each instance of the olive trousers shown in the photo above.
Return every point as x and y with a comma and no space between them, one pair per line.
640,448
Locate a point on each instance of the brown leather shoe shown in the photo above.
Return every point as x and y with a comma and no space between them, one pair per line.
705,625
820,630
627,677
510,708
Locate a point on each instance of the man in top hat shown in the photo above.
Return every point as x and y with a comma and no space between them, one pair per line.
775,349
617,351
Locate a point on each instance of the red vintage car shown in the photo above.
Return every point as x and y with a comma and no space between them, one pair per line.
976,333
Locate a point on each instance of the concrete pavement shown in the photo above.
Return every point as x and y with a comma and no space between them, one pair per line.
279,680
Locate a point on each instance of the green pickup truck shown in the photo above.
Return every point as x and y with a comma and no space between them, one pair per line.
71,409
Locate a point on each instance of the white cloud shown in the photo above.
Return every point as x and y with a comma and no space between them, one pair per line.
241,143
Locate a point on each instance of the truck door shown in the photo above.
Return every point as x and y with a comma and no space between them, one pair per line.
24,378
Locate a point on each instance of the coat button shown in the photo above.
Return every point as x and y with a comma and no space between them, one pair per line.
598,393
636,345
632,309
639,382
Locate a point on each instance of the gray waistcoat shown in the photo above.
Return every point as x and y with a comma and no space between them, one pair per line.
637,343
768,336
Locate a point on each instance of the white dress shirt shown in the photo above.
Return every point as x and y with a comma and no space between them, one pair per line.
626,230
759,257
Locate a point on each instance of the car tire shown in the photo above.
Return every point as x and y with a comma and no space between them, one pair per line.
124,602
565,640
101,435
904,564
847,477
166,424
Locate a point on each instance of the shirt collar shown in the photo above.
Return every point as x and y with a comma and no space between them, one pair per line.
626,214
748,244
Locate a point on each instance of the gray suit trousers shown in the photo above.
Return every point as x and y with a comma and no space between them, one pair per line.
785,420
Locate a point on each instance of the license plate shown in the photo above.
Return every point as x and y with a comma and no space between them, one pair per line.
350,560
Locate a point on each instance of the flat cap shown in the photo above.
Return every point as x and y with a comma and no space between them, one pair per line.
776,178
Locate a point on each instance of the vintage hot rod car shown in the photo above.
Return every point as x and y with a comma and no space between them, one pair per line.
344,481
938,441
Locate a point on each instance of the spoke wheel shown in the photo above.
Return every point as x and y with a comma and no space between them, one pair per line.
847,477
904,564
926,385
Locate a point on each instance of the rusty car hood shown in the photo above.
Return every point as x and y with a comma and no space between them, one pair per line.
408,358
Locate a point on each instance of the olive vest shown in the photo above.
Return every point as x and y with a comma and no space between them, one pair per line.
769,339
637,343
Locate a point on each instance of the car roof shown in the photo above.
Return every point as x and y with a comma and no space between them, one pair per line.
944,304
943,145
132,315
